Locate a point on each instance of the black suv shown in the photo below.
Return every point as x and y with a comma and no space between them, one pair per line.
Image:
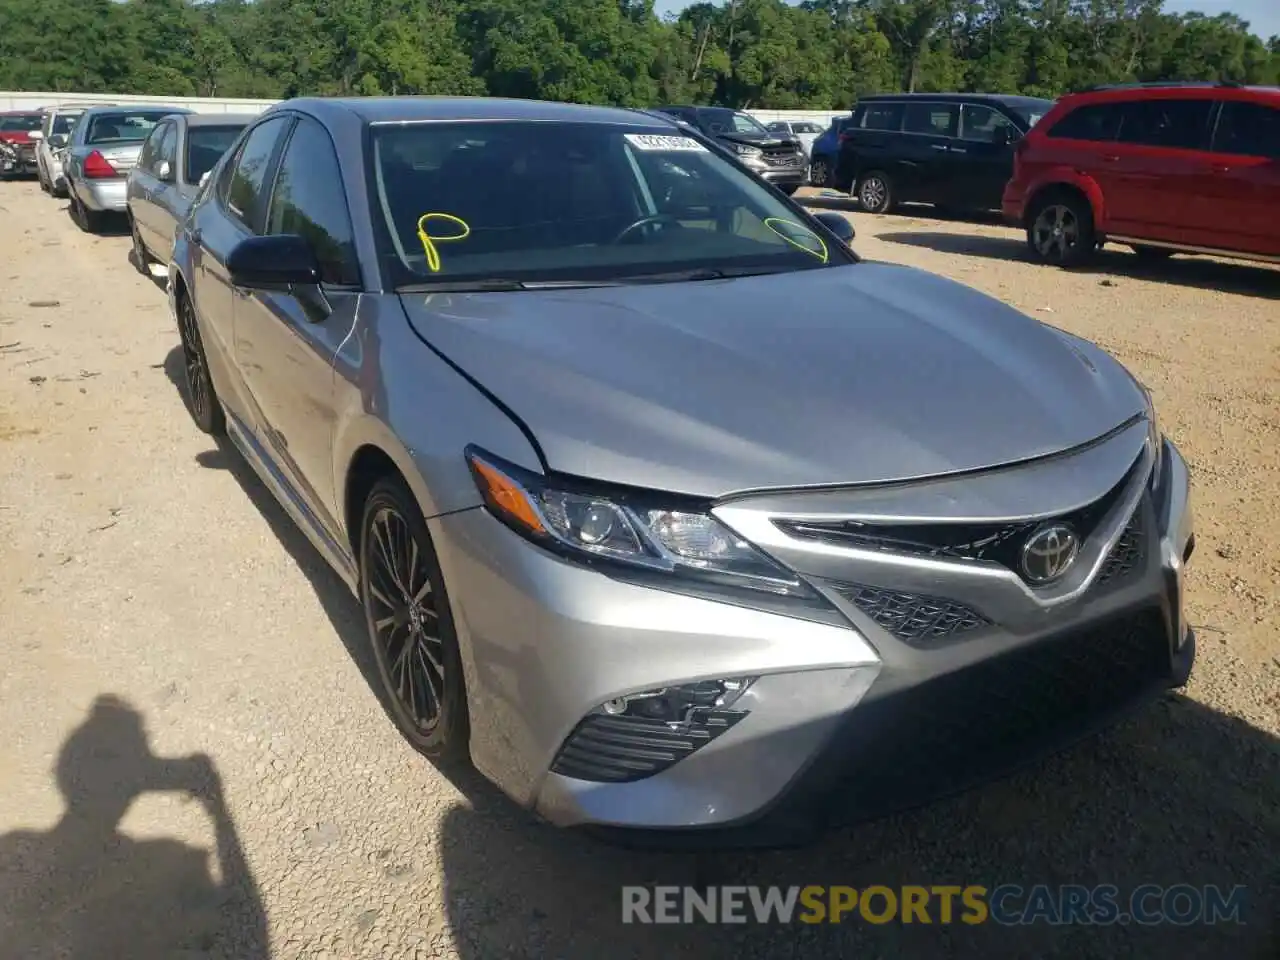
777,158
954,150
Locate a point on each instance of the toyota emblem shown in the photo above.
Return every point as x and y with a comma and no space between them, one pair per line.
1049,553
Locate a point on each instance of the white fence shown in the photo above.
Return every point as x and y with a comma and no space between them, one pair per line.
19,100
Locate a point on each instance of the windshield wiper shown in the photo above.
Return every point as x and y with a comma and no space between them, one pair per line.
500,285
707,273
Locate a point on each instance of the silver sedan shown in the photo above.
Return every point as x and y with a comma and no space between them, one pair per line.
664,508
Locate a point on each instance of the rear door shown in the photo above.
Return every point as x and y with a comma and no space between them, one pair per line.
867,143
149,188
922,167
286,341
981,156
1240,204
1152,177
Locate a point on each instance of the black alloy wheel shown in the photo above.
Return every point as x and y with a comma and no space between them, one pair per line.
202,399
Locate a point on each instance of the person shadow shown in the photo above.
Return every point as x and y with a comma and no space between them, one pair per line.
85,890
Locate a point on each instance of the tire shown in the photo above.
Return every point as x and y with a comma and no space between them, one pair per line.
875,192
202,399
1152,253
414,644
820,173
1060,229
90,221
141,259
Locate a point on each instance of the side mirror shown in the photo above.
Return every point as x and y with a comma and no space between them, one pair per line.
840,225
57,139
270,263
36,134
164,171
1003,136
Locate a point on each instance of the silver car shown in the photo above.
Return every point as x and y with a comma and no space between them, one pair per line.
806,131
178,154
664,508
104,146
59,121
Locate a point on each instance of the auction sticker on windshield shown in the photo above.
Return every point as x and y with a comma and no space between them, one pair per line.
659,142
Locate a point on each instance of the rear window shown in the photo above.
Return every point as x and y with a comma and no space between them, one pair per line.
1248,129
935,119
205,147
1095,121
882,116
1181,124
131,127
805,128
63,122
21,122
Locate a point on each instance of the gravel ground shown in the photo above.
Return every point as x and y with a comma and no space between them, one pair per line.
191,750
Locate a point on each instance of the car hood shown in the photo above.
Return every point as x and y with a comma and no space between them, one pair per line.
867,373
758,139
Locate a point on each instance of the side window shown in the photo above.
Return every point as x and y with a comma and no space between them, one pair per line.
166,147
244,188
1248,129
309,200
147,156
935,119
1182,124
983,124
882,116
1099,122
777,127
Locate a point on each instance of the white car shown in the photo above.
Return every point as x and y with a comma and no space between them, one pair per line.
56,131
806,131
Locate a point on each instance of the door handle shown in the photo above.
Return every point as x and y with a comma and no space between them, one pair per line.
1110,157
938,146
959,150
1219,168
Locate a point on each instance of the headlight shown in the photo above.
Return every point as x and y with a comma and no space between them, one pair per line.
746,150
634,530
1157,438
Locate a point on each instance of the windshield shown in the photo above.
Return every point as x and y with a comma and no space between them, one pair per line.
63,122
724,120
805,128
527,202
133,126
21,122
205,147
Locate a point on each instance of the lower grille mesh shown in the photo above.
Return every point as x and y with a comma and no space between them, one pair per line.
620,749
907,747
913,619
1128,553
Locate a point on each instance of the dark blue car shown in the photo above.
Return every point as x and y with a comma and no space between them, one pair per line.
825,150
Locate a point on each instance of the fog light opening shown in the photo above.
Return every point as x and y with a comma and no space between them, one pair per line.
680,704
1189,548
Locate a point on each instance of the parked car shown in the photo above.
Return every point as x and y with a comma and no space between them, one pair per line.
19,133
779,159
180,151
104,146
56,134
951,150
806,131
650,545
1190,168
825,150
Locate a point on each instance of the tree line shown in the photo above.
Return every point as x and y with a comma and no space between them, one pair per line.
821,54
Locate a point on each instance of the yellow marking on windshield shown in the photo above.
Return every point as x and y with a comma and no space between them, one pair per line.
822,253
429,240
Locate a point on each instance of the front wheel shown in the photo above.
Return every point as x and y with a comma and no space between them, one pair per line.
820,173
875,192
1060,230
410,625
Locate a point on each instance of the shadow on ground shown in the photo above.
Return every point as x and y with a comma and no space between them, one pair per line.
1239,278
84,891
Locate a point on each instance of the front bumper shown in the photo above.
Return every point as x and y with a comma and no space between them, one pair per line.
845,721
18,161
103,196
788,176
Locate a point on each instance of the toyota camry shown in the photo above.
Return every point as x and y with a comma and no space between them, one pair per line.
666,510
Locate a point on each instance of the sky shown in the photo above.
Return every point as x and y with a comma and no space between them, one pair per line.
1263,15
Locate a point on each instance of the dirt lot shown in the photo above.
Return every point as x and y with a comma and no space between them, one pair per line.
143,563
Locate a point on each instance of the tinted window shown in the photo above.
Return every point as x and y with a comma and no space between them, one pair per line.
205,147
250,170
63,122
132,126
983,124
724,120
805,128
778,128
167,148
937,119
882,116
574,201
24,122
1167,123
1096,121
1250,129
309,200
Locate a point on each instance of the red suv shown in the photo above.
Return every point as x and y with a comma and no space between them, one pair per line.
1169,168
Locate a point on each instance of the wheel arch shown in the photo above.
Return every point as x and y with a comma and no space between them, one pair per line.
1071,184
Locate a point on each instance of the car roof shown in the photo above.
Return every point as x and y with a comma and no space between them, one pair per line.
218,119
1197,90
413,109
131,108
1008,99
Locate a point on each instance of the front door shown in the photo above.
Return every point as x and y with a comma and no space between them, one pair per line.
1239,206
286,342
921,166
981,157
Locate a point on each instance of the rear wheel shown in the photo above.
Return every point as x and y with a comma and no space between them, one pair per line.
1060,230
141,259
90,221
410,626
875,192
820,173
202,399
